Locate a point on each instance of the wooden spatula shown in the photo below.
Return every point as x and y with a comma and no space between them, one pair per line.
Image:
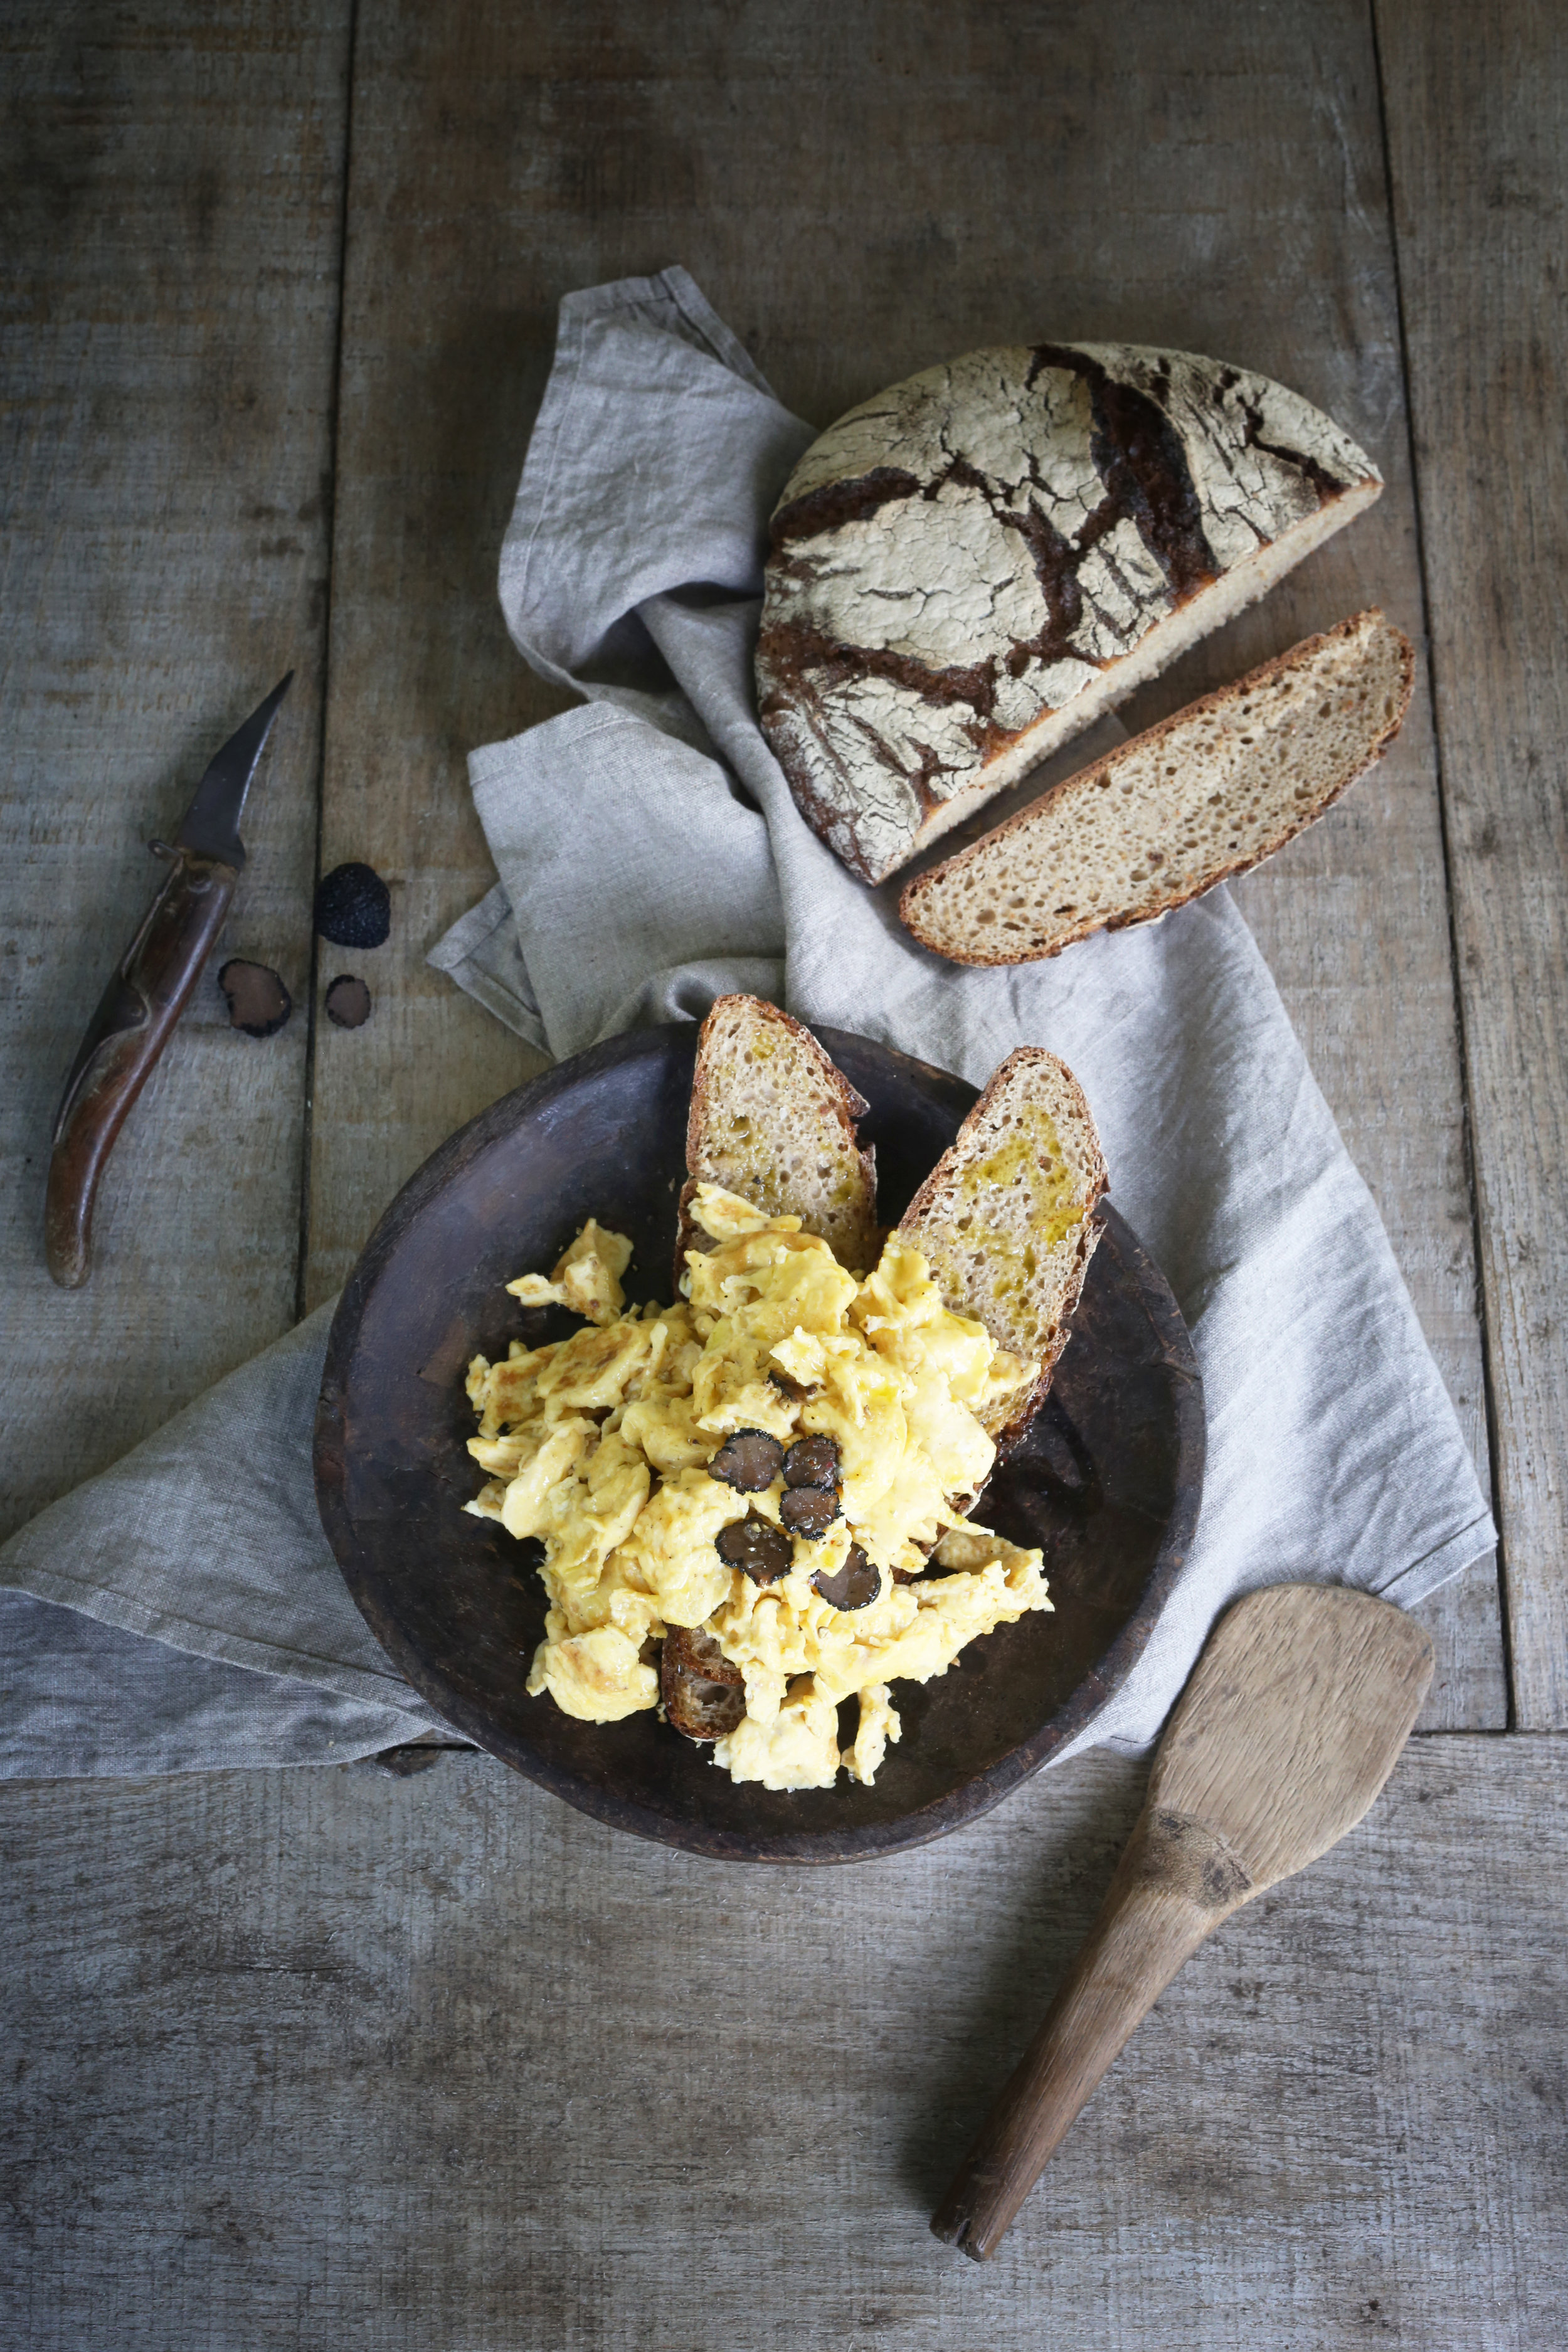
1281,1740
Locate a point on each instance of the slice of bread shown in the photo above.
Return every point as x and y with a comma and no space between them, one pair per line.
703,1693
774,1121
1212,791
1006,1220
966,570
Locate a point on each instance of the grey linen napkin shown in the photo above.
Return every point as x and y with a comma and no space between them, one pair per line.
650,856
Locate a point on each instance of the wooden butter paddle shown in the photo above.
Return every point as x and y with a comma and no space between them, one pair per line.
1284,1736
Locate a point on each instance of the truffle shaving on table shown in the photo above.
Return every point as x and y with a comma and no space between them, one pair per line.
258,999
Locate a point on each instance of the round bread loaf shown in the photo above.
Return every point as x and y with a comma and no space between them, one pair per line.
970,568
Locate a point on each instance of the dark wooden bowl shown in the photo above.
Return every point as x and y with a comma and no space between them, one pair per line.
1108,1481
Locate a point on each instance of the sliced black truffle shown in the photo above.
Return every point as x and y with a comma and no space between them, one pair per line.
812,1461
808,1510
348,1001
748,1460
856,1585
354,906
755,1544
704,1696
257,999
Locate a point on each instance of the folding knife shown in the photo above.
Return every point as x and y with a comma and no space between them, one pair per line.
149,992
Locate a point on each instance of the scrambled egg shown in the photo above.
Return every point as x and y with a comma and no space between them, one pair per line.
601,1445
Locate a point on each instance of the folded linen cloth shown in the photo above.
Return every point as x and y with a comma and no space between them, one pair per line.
650,856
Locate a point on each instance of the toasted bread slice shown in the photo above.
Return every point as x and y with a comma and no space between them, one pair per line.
1006,1220
1209,792
703,1693
774,1121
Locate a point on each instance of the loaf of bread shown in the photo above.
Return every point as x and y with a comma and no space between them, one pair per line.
773,1120
1006,1220
968,569
1212,791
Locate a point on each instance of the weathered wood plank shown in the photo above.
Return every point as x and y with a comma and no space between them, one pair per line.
171,193
1477,102
859,193
439,2062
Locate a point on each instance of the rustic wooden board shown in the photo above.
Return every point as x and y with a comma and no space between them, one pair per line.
438,2061
1476,105
318,2056
859,193
173,201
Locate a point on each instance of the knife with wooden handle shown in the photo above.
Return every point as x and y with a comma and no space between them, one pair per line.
148,993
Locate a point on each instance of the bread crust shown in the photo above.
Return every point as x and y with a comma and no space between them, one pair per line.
916,899
703,1692
843,1107
970,567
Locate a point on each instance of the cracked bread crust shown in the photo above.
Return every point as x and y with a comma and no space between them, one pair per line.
1207,793
971,567
773,1120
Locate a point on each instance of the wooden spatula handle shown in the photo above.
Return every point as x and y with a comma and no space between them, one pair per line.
1176,1883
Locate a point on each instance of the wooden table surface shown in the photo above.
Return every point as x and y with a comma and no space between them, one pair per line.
317,2057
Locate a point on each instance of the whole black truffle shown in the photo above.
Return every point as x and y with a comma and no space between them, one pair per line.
257,999
348,1001
354,906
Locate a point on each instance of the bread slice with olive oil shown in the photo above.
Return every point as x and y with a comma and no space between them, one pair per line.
1006,1220
773,1120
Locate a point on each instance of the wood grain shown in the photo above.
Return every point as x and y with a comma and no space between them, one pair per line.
323,2056
1287,1731
437,2060
171,191
1476,108
859,193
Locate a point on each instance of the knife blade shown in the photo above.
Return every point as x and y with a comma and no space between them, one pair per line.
148,993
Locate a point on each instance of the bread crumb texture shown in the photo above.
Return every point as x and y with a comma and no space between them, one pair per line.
1208,793
773,1120
972,566
1004,1220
